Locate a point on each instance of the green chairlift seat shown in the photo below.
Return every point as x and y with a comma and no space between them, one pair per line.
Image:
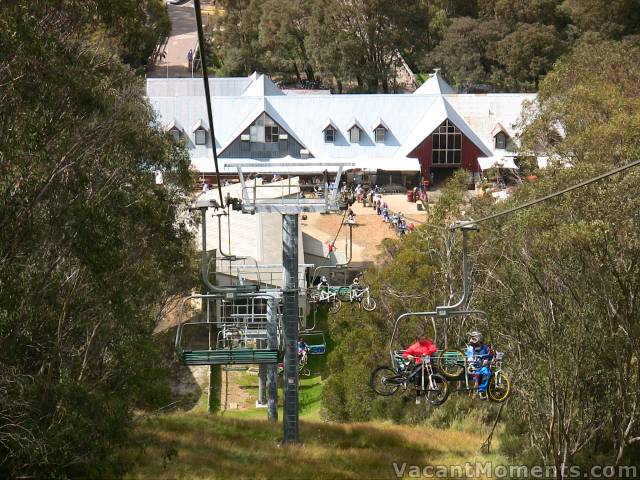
241,356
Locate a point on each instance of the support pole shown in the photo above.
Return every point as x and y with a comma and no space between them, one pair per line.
272,368
290,322
215,373
262,390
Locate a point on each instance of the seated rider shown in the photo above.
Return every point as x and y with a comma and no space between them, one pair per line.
478,357
324,283
418,349
303,350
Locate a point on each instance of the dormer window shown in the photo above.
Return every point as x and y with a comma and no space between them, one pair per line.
329,134
501,141
175,131
175,134
201,136
380,134
200,132
354,135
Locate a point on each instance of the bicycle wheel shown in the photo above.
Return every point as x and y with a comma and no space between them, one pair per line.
499,387
451,363
304,372
334,306
369,304
439,394
384,381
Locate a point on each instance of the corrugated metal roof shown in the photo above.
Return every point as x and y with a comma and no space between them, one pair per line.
435,85
261,87
409,119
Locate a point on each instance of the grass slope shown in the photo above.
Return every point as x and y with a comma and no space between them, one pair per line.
197,446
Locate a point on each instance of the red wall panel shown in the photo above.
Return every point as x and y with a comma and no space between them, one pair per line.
469,154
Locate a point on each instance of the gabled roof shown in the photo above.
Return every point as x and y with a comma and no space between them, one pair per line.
379,123
499,128
200,124
435,85
261,106
432,119
354,123
408,118
328,123
262,87
174,125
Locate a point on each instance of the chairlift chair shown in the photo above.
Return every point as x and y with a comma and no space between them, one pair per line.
235,331
315,341
452,362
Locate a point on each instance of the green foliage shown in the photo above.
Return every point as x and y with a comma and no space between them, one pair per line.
560,281
596,108
504,45
91,250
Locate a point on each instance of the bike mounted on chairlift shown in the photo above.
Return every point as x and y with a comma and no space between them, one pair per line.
446,367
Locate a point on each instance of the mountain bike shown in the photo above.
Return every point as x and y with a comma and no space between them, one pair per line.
386,381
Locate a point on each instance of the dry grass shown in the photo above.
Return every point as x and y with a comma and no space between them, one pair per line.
208,447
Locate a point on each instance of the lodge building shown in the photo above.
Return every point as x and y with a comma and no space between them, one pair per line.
397,138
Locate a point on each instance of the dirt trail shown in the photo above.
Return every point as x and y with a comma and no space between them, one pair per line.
369,231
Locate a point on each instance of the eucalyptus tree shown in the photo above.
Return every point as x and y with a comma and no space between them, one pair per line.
91,249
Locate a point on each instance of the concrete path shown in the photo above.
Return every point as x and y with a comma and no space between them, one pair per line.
184,35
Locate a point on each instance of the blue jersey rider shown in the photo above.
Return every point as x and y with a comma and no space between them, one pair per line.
478,357
303,350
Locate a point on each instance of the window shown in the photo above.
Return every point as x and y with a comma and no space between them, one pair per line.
501,141
175,133
380,132
354,135
271,134
329,135
447,144
201,137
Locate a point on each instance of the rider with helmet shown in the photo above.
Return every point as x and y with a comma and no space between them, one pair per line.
324,283
420,348
478,357
303,350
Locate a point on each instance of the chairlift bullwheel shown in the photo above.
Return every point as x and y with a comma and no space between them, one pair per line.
451,363
499,387
384,381
334,307
369,304
439,394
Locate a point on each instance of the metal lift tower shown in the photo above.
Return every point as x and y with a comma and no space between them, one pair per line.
289,203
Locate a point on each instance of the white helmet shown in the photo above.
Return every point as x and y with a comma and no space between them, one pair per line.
323,279
475,335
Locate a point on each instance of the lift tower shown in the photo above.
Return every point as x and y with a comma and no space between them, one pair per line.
290,200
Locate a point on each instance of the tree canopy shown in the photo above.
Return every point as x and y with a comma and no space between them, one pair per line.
91,250
485,45
560,281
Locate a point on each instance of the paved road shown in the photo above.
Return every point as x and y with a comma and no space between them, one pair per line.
184,36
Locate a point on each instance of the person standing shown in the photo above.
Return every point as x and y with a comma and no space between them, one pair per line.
190,58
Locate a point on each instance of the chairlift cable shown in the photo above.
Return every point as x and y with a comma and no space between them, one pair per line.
205,77
547,197
344,216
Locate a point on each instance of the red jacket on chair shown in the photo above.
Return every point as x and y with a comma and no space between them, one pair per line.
419,348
